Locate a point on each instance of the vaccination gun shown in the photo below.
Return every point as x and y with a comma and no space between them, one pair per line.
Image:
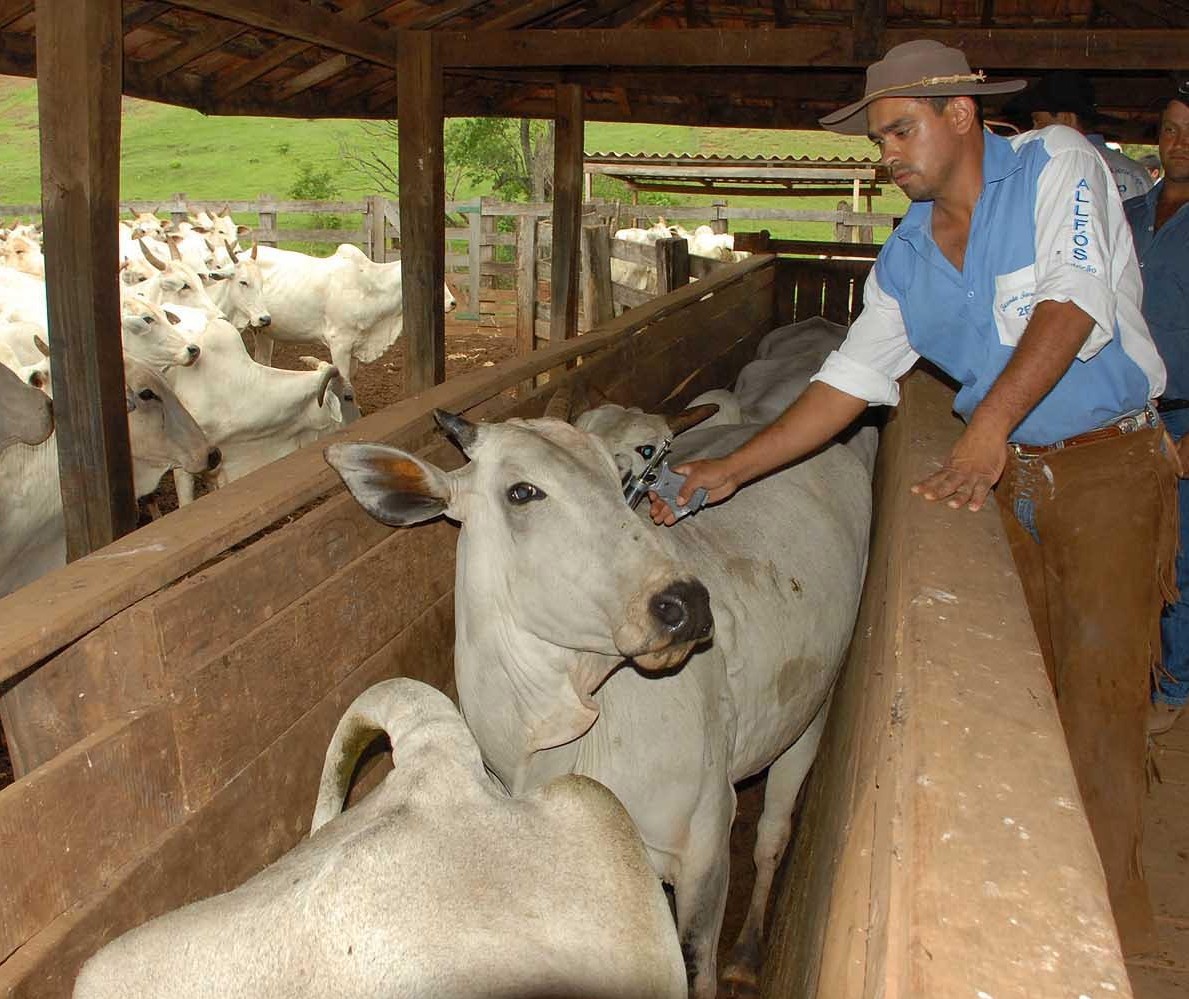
659,478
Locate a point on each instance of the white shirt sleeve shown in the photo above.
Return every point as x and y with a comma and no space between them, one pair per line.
875,352
1074,241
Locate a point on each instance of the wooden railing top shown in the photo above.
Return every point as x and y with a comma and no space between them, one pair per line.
56,609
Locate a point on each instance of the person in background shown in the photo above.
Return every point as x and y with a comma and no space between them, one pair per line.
1160,225
1151,163
1014,271
1066,97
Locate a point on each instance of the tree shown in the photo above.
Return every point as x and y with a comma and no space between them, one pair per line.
512,157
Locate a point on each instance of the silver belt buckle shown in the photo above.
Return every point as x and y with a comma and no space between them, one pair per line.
1128,424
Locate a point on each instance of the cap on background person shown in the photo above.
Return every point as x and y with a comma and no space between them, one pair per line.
1061,91
922,68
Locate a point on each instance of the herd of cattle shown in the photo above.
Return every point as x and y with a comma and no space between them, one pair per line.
492,861
199,405
702,242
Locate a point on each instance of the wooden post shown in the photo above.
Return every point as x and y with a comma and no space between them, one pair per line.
526,284
267,226
567,213
80,76
377,243
178,212
596,275
475,258
422,208
672,265
718,224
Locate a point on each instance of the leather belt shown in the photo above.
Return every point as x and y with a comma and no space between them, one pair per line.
1128,424
1167,405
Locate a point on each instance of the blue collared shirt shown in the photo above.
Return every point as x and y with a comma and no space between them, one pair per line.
1049,225
1164,260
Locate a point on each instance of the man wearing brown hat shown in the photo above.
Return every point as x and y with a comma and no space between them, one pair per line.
1066,97
1014,272
1160,224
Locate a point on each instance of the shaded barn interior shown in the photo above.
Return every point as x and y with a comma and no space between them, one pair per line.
766,64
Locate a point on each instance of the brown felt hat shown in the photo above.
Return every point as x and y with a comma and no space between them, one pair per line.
923,68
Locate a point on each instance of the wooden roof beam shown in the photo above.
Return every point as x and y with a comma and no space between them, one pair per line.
13,10
229,82
629,12
143,14
187,52
811,45
313,76
422,15
301,22
520,15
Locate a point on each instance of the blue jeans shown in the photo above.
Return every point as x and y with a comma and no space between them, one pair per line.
1173,685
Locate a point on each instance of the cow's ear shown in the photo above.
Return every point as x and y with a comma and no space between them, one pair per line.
391,485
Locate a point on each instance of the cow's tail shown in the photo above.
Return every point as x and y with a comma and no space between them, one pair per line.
391,708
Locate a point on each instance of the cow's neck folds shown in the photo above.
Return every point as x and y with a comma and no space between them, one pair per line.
532,696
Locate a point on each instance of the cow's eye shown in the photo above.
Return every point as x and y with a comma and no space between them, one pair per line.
147,394
646,451
524,492
243,284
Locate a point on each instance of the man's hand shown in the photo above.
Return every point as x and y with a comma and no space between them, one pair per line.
715,475
973,467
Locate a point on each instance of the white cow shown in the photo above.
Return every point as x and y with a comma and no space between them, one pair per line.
23,253
438,885
345,301
702,242
32,531
174,283
26,413
255,414
241,295
565,661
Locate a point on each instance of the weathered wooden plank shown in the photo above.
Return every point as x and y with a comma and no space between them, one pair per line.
309,24
836,299
69,826
79,80
942,800
596,274
41,618
263,812
526,283
567,213
422,210
228,709
810,287
107,673
672,265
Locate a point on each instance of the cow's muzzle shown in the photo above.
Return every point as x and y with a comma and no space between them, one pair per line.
683,611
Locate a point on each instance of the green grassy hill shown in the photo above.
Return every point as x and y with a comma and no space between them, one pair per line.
167,149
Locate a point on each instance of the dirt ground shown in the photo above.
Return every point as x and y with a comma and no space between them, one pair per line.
471,344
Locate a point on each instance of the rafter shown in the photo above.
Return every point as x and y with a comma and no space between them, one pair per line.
229,82
187,52
313,76
520,15
143,14
629,12
423,15
300,21
13,10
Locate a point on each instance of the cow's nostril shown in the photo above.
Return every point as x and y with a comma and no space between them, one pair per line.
213,457
684,610
193,350
265,321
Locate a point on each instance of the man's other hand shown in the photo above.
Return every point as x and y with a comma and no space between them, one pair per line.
972,469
